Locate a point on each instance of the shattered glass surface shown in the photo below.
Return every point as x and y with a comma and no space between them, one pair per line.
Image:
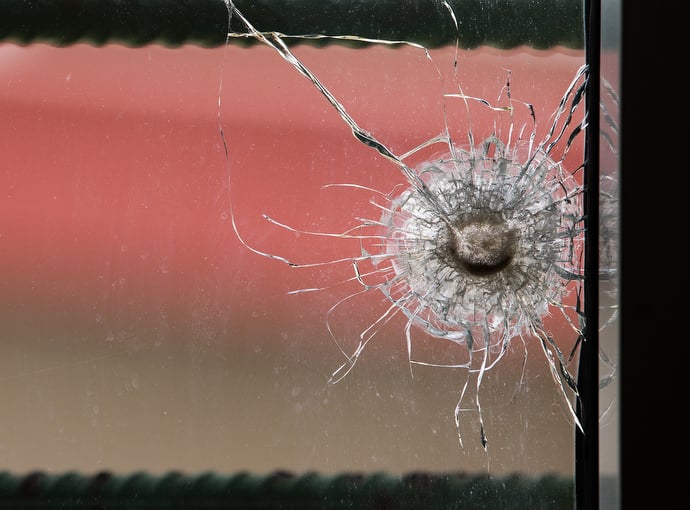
476,244
371,259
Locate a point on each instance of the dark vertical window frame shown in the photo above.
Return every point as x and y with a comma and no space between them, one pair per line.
587,439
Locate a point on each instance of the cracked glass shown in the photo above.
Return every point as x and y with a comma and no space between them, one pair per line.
312,251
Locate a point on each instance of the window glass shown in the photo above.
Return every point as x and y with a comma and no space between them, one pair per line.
307,253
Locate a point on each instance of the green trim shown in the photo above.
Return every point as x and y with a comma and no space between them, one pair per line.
498,23
284,490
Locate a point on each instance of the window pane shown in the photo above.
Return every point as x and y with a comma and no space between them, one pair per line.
307,252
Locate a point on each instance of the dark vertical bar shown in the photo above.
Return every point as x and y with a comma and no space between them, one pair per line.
587,440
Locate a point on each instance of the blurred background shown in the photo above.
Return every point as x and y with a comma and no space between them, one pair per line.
138,332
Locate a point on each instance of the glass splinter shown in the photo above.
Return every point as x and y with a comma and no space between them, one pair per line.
484,243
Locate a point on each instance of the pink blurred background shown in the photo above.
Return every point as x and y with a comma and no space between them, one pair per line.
139,333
